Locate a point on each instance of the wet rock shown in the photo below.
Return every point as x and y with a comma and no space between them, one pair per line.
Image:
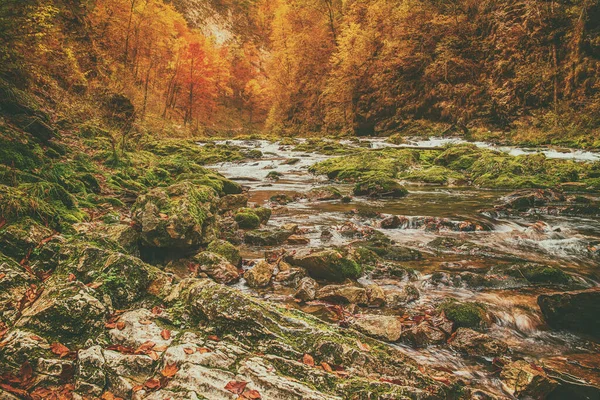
232,202
326,264
125,371
19,346
343,294
393,271
476,343
423,335
90,378
307,289
281,199
523,380
217,267
392,222
466,314
247,219
398,299
180,216
298,240
376,295
379,186
324,193
267,237
227,250
260,275
539,274
14,282
381,327
576,310
66,312
121,237
289,276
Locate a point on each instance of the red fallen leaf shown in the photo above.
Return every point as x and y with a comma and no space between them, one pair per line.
121,349
71,277
203,350
145,321
108,396
60,349
326,367
214,338
137,388
153,355
308,360
94,285
166,334
145,347
13,390
156,310
2,275
152,384
120,325
363,346
163,216
161,348
41,393
188,351
250,395
26,373
536,367
110,325
236,387
169,370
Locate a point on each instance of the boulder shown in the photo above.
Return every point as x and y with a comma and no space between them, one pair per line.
328,264
180,216
398,299
260,275
576,310
466,314
232,202
476,343
524,380
381,327
227,250
267,237
19,239
90,378
298,240
392,222
307,289
324,193
289,276
217,267
343,294
379,186
423,335
14,282
376,295
67,312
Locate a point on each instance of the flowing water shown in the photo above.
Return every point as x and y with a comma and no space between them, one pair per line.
548,239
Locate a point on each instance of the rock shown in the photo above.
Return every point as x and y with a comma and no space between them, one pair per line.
423,335
522,200
139,328
66,312
376,295
398,299
260,275
307,289
326,264
232,202
281,199
379,186
217,267
227,250
475,343
392,222
522,380
382,327
267,237
289,276
125,371
298,240
90,378
180,216
576,310
19,239
247,219
121,237
343,294
466,314
14,282
19,346
539,274
324,193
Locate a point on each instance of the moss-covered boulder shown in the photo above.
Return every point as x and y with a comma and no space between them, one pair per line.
324,193
19,239
465,315
227,250
67,312
539,274
379,186
328,264
216,267
181,216
247,219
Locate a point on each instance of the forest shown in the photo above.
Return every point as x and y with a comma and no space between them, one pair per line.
299,199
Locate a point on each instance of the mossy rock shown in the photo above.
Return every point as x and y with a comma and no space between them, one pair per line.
274,175
227,250
19,239
267,237
433,175
324,193
263,213
379,186
14,282
327,264
247,219
540,274
465,315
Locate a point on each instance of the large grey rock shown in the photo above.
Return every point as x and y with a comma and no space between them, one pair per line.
90,378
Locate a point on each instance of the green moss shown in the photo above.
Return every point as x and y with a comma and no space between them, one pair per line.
466,315
434,175
227,250
247,220
537,273
377,185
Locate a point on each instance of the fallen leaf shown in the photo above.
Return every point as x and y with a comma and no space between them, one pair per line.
236,387
441,379
137,388
308,360
169,370
72,277
121,349
94,285
156,310
363,346
108,396
2,275
153,355
60,349
326,367
203,350
120,325
36,338
152,384
214,338
145,347
160,348
251,395
166,334
26,373
13,390
188,351
110,325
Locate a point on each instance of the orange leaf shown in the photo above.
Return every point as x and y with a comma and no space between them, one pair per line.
152,384
363,346
153,355
251,395
326,367
169,370
137,388
161,347
144,347
236,387
187,350
120,325
214,338
71,277
166,334
2,275
60,349
145,321
156,310
110,325
94,285
308,360
203,350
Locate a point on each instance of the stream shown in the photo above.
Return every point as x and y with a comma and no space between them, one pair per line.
540,238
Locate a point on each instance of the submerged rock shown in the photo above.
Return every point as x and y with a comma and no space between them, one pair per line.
576,311
524,380
423,335
324,193
181,216
326,264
